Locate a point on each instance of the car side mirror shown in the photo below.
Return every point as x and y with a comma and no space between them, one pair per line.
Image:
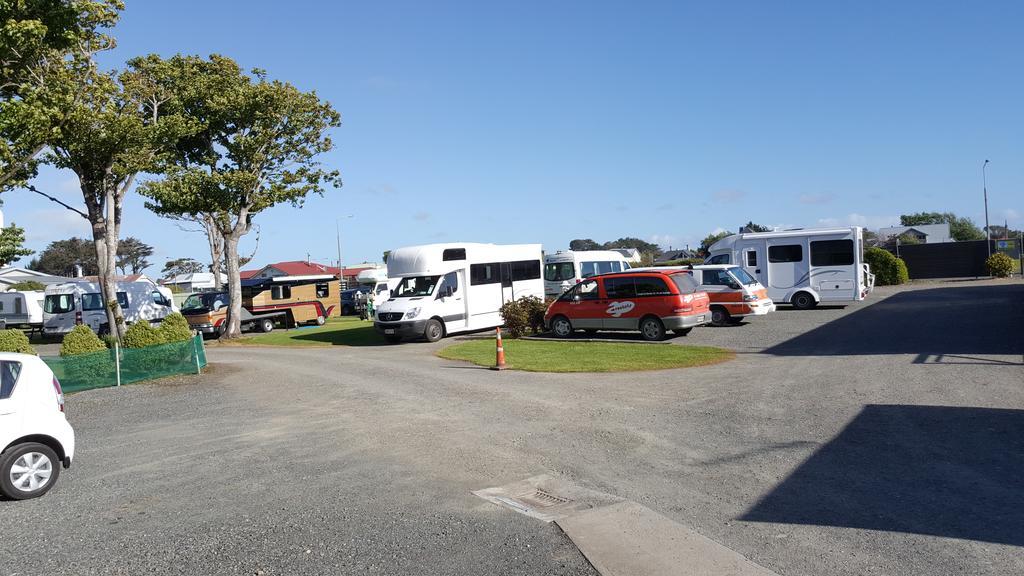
575,297
734,286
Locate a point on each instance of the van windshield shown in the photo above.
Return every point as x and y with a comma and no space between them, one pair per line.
558,271
58,303
415,286
212,300
743,276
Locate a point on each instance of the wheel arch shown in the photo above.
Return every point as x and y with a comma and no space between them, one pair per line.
43,439
814,294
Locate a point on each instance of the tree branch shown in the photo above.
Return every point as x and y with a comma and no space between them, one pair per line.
52,199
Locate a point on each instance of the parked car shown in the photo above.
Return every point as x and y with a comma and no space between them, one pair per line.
36,438
733,292
353,299
207,313
650,301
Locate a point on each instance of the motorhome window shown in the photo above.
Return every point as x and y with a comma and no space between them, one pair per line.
525,270
751,258
685,283
280,292
720,259
625,265
415,287
743,276
484,274
588,269
620,287
323,290
607,267
160,299
650,286
453,254
9,372
451,280
832,253
122,300
785,253
93,301
559,271
58,303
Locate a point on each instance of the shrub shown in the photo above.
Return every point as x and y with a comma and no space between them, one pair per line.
888,269
15,341
81,340
27,285
522,314
999,265
141,334
175,328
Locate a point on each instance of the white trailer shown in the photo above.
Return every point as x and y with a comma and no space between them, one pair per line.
22,308
801,267
565,268
79,302
449,288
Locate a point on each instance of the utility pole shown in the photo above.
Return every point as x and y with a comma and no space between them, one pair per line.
984,190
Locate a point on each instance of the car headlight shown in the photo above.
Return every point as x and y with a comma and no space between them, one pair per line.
412,313
749,298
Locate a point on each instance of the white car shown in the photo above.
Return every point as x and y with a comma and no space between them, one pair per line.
34,433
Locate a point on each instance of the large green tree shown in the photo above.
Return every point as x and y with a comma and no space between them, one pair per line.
12,244
709,240
182,266
258,147
584,244
61,256
961,229
132,255
642,246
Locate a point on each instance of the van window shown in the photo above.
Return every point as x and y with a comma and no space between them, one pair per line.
453,254
94,301
9,372
559,271
751,258
484,274
450,279
525,270
720,259
785,253
159,298
280,292
588,269
620,287
716,278
586,290
323,289
606,267
685,283
832,253
58,303
650,286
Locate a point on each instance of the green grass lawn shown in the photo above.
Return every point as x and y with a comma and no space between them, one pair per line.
344,331
553,356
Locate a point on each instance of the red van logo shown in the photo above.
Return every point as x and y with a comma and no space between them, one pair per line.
617,309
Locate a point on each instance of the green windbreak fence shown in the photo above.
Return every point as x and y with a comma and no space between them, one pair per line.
127,365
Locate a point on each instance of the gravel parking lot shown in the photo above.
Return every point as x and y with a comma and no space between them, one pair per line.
885,437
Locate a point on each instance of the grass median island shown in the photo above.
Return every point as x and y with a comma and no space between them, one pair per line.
344,331
554,356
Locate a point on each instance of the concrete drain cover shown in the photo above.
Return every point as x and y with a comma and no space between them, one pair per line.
545,498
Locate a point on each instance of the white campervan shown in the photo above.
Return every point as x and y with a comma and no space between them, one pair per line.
377,280
447,288
801,267
21,308
79,302
565,268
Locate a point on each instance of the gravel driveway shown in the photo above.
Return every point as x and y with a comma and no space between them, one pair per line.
880,438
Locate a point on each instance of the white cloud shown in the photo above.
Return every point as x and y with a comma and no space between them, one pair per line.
816,198
719,230
728,195
855,219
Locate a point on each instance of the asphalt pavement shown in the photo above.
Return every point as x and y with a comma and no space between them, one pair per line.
885,437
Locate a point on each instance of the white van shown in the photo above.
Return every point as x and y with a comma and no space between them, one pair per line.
801,267
565,268
22,308
377,280
448,288
71,303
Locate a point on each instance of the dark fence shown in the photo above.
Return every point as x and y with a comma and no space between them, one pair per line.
953,259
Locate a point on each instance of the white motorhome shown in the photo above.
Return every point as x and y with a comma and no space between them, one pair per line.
21,308
565,268
79,302
377,280
801,267
448,288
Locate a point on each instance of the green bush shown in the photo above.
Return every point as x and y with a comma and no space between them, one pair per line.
888,269
15,341
1000,265
27,286
175,328
141,335
681,262
524,314
81,340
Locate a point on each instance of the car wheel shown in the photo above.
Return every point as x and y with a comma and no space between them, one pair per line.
561,326
682,331
719,316
267,325
320,320
28,471
433,331
651,329
803,301
393,339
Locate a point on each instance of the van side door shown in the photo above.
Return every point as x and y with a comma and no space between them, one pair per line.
586,307
752,259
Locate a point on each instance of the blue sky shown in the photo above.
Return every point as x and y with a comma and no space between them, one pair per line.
544,122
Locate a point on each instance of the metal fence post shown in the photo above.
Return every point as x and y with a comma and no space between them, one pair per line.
117,361
195,351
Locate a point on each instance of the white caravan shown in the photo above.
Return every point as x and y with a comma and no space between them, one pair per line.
21,308
79,302
565,268
801,267
448,288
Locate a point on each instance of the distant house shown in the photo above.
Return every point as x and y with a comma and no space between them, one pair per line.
303,270
672,255
198,282
11,275
924,233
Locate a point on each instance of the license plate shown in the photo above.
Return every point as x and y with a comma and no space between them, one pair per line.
389,330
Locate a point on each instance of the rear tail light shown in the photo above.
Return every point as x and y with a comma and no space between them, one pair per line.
60,394
78,318
683,310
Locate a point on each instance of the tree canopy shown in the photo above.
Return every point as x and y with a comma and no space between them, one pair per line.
12,245
132,255
60,257
961,229
182,266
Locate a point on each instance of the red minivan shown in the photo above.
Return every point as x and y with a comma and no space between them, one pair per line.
650,301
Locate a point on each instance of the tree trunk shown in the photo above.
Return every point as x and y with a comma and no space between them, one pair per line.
104,232
216,241
233,322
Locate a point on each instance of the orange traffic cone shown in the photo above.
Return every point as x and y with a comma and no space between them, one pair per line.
499,361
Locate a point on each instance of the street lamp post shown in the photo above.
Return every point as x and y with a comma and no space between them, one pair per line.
984,190
341,267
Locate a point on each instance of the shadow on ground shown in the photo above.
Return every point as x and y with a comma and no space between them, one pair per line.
939,325
942,471
361,336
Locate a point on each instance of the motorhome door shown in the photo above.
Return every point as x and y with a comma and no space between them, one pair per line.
451,301
787,267
507,293
753,261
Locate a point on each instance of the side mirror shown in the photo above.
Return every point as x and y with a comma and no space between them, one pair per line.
575,297
734,286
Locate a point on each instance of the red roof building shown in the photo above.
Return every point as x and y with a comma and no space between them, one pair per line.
303,269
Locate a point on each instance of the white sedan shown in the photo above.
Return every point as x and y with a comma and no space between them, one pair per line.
36,438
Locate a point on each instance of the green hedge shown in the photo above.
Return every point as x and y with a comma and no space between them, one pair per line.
1000,265
175,328
141,335
81,340
523,314
15,341
888,269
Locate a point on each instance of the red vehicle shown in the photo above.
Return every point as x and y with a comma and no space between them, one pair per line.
650,301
